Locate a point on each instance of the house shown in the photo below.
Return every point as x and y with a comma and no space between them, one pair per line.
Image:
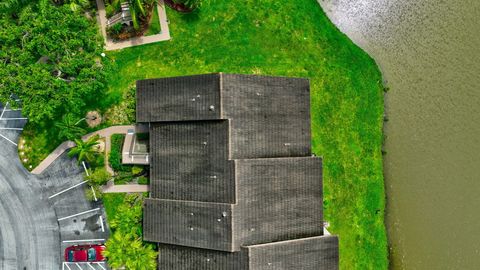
234,184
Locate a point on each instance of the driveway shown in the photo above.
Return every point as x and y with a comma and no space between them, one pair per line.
29,232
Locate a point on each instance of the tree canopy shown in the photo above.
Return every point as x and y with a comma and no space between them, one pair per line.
50,58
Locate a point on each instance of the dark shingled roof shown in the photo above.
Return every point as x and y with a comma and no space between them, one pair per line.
314,253
276,199
178,98
270,116
189,161
233,183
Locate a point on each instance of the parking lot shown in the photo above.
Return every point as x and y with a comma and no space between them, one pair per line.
41,215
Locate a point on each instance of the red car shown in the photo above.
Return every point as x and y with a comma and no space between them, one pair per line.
85,253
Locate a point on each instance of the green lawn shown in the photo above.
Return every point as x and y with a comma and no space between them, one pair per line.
111,202
292,38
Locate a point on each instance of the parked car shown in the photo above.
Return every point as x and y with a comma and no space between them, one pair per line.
85,253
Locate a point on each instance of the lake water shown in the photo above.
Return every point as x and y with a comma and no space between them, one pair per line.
429,53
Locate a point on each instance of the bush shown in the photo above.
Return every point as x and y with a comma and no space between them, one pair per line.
137,170
99,177
125,247
142,180
98,162
123,177
89,193
115,29
115,156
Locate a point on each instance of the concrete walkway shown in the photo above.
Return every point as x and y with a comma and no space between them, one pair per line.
133,188
104,133
112,45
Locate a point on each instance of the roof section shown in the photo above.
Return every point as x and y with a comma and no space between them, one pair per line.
194,224
278,199
189,161
179,98
270,115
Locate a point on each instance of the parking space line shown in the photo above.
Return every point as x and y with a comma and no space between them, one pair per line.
18,118
83,240
4,128
65,190
93,192
90,265
100,264
101,223
78,266
13,110
78,214
66,264
8,139
85,168
3,111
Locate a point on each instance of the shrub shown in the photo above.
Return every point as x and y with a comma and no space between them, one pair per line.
115,156
89,193
142,180
115,29
137,170
99,177
125,247
123,177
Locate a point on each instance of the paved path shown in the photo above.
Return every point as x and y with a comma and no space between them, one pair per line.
133,188
29,232
111,45
106,133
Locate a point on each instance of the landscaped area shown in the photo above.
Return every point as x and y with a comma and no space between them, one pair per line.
347,97
288,38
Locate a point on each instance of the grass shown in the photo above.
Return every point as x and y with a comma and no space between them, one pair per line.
111,202
292,38
154,24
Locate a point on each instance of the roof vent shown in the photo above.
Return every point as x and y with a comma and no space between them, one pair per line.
211,108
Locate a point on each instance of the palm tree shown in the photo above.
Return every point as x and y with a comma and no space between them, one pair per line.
127,250
68,129
136,10
85,150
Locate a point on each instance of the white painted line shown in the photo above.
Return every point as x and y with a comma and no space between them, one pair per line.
6,105
81,213
63,266
101,223
89,264
65,190
84,240
8,139
19,118
85,168
78,266
66,264
13,110
94,195
11,128
100,264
